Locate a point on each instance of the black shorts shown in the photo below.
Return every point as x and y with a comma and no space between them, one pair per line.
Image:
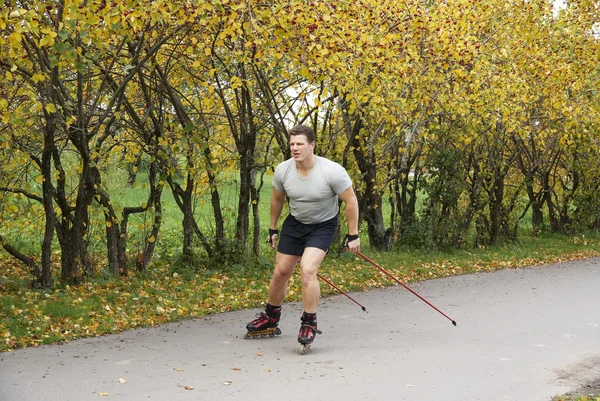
296,236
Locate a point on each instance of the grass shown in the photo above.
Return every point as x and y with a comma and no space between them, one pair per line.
170,291
164,294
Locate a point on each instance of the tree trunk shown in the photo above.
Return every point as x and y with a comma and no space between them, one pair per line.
370,198
243,221
255,197
495,205
154,201
215,201
247,149
75,258
379,238
537,214
552,215
112,233
473,170
49,212
34,268
188,229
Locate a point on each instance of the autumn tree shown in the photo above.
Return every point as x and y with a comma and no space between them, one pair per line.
64,58
483,112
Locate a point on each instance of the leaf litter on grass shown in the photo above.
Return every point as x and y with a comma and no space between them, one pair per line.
31,317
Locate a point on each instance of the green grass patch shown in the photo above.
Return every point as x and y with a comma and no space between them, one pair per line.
168,292
61,310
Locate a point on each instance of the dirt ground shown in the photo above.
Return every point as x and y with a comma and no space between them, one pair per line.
589,389
587,373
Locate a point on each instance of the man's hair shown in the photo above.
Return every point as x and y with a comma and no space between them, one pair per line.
303,130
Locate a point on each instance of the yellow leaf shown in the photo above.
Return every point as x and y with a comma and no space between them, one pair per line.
15,39
38,77
103,394
17,13
50,108
47,41
151,239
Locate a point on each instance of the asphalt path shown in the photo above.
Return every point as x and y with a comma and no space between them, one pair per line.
523,334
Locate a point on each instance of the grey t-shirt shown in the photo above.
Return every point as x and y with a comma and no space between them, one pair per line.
312,199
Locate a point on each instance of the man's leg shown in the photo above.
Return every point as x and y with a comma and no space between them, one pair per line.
269,319
309,265
311,292
284,268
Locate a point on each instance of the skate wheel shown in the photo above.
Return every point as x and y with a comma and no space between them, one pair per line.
304,348
272,332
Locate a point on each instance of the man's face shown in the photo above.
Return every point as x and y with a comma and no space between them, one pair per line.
300,147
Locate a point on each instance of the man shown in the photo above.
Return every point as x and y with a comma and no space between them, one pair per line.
313,185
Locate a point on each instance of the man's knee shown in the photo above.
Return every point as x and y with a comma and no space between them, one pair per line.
308,274
282,275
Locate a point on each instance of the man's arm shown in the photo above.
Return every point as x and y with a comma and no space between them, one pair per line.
349,199
277,202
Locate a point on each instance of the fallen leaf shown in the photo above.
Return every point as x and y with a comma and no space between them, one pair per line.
179,369
122,381
259,354
188,388
227,383
237,368
103,394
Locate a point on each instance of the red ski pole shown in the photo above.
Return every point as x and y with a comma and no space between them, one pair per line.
403,285
334,286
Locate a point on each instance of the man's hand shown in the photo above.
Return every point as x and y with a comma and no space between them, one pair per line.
273,235
352,242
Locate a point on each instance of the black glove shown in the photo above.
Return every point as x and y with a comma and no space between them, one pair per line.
349,238
271,234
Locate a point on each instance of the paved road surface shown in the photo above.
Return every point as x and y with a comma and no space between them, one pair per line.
525,334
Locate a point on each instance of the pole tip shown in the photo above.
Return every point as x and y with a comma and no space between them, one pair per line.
364,309
454,323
